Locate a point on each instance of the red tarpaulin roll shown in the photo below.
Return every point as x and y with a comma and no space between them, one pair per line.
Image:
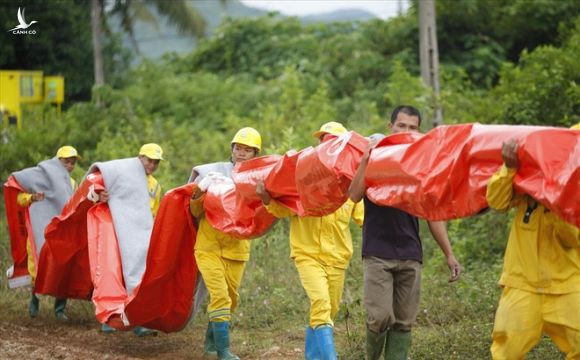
313,182
109,294
229,212
324,173
84,234
63,269
281,183
444,174
19,227
438,176
164,298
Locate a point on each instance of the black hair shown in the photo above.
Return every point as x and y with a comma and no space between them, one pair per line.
256,150
405,109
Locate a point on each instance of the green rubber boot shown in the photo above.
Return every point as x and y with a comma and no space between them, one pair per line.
33,306
141,331
398,344
107,329
59,306
209,348
375,344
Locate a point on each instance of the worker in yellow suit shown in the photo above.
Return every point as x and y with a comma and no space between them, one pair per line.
67,156
541,272
321,248
150,156
221,258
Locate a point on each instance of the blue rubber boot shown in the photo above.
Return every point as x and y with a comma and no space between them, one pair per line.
325,341
209,348
310,346
59,306
221,335
33,306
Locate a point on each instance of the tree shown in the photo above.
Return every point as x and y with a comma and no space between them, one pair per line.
429,53
97,46
60,46
480,35
185,17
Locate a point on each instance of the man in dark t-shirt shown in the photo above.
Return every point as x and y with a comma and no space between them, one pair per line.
392,257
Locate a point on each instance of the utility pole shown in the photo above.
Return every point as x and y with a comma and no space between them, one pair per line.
96,22
429,54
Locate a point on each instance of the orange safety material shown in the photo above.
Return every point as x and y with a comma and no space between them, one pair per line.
443,174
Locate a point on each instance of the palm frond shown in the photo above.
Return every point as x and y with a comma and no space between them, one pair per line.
186,18
140,11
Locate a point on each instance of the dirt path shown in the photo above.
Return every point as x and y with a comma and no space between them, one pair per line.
49,339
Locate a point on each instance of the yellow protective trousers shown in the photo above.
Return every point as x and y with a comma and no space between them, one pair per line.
523,316
222,278
323,285
31,264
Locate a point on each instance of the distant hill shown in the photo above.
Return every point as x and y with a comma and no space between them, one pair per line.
340,15
154,41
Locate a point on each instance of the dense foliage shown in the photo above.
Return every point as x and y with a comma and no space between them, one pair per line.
286,78
61,46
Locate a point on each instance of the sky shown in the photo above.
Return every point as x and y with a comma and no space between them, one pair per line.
382,8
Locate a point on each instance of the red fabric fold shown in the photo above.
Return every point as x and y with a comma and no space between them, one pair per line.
109,294
444,174
164,298
324,173
63,269
312,182
19,227
81,257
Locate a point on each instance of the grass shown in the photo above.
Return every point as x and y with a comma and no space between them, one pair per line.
455,320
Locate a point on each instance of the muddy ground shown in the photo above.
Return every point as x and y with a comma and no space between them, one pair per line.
45,338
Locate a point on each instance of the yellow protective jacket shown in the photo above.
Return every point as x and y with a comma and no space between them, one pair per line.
154,190
212,241
543,251
327,238
25,199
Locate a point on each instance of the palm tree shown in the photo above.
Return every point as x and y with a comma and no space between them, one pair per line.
186,18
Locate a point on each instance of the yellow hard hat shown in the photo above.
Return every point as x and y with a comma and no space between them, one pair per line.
67,151
152,151
575,127
248,136
332,128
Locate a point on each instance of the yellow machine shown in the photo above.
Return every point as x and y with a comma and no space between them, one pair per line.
19,87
